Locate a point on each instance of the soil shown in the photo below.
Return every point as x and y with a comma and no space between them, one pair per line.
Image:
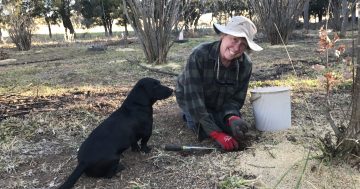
44,155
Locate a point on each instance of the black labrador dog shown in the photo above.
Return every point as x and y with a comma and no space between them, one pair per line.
99,154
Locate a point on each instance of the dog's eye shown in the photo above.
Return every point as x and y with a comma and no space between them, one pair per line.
156,84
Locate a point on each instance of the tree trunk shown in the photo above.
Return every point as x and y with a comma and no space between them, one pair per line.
49,26
336,22
1,37
320,17
353,12
65,16
349,142
306,15
345,13
105,28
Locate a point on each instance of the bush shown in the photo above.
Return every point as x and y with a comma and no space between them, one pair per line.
20,31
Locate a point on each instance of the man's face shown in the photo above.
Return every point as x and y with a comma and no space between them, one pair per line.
232,47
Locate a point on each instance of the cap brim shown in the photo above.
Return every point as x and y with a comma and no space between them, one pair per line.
221,29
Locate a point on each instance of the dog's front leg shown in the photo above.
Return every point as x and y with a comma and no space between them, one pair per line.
135,147
144,147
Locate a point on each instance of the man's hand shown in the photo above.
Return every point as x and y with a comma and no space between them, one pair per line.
226,142
238,126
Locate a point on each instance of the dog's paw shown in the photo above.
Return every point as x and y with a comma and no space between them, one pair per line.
145,149
135,148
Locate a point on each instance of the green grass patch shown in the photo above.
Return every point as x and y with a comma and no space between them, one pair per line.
293,82
235,182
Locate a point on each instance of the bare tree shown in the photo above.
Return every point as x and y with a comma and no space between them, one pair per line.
282,13
20,31
153,22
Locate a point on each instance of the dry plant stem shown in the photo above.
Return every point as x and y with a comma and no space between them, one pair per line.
269,167
277,29
294,165
166,156
307,106
330,118
311,184
328,104
303,171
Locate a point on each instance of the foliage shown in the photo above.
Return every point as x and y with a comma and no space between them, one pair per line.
330,77
64,9
220,9
19,19
192,11
318,8
20,32
46,9
233,182
229,8
100,12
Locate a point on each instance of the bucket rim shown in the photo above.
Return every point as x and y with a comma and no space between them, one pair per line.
273,89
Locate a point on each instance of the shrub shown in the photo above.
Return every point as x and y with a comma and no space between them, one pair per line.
20,30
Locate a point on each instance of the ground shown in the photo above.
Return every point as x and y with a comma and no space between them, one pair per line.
52,96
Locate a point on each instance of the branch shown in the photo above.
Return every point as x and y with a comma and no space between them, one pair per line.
151,69
31,62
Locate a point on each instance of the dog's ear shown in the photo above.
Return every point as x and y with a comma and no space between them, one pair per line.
148,90
141,92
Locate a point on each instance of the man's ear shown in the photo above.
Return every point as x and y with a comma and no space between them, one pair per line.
222,35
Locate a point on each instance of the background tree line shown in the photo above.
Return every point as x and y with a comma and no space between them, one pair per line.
105,13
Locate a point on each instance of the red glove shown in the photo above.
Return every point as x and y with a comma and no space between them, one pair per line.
227,142
238,126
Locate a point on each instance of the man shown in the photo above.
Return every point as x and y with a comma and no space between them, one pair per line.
212,88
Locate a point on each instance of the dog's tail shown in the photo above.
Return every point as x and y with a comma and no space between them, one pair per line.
75,175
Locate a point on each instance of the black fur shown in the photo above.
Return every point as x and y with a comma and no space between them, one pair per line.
99,154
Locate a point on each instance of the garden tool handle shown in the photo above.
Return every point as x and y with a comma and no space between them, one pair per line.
173,147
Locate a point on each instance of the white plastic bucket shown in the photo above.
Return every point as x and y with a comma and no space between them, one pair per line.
272,108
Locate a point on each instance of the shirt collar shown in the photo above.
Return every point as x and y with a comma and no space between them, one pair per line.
215,50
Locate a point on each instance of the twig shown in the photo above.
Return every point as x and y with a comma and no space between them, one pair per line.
271,154
151,69
277,29
165,155
260,166
311,184
30,62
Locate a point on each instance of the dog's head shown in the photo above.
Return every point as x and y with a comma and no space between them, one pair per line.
149,89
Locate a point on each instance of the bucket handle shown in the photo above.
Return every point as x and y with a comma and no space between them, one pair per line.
253,98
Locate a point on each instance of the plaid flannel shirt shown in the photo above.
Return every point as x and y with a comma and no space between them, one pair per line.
200,92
